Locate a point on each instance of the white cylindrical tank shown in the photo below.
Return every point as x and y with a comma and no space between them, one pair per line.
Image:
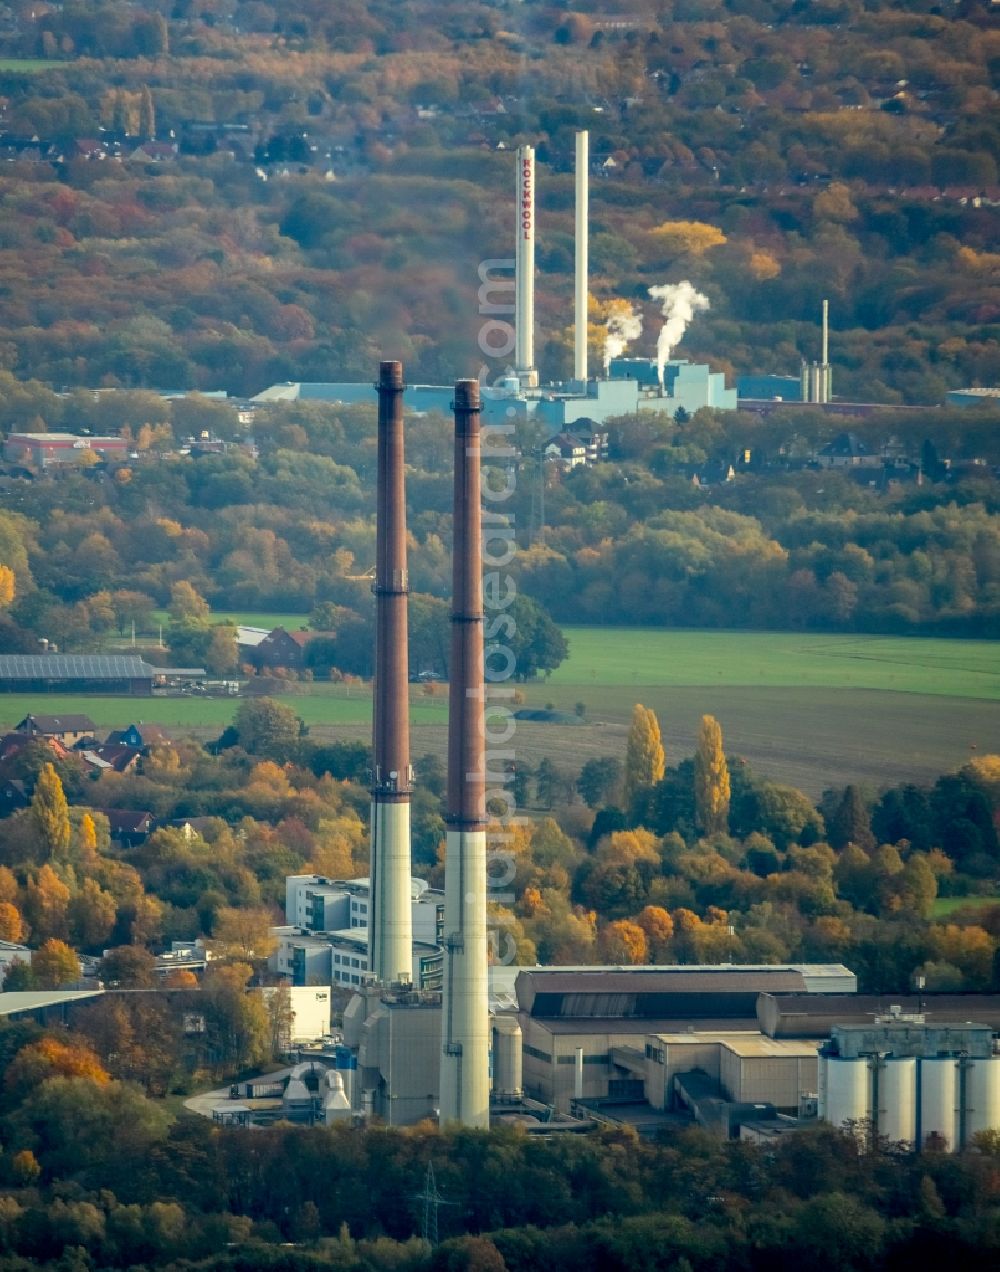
814,383
982,1097
843,1090
939,1101
897,1111
507,1079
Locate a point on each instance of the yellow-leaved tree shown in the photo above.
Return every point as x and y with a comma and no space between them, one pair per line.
50,812
8,587
54,965
711,780
645,762
688,238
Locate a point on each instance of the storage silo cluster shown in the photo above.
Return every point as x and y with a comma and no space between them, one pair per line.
903,1081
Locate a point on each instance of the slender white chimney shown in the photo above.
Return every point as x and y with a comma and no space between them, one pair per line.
582,246
826,377
524,269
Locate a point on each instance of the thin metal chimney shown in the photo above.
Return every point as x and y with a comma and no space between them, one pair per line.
826,378
465,1090
390,929
524,270
582,247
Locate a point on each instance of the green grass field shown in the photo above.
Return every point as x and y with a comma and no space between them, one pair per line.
330,705
611,657
813,711
945,906
30,65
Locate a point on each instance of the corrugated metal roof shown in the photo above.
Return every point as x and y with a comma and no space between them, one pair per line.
652,991
32,1000
74,666
587,1025
814,1015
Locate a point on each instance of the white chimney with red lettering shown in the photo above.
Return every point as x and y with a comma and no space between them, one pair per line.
524,270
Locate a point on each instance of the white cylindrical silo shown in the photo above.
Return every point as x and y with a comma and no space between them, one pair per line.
843,1090
939,1101
507,1080
982,1097
897,1102
814,383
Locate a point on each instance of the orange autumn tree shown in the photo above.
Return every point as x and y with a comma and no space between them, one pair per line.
51,1058
623,942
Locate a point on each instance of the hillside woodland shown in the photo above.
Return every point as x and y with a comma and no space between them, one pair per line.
223,194
110,1181
164,536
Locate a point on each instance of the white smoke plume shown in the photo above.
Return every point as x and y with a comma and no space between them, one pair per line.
622,328
679,302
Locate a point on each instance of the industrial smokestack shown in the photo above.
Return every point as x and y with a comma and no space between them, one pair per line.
826,379
390,931
582,247
465,1091
524,270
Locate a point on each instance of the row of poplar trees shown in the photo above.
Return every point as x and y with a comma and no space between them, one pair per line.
645,765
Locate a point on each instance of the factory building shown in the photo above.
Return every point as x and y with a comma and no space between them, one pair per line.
984,397
631,385
748,1068
315,903
685,384
395,1034
308,1013
769,388
583,1027
632,388
910,1081
326,936
45,450
80,673
342,959
815,1015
